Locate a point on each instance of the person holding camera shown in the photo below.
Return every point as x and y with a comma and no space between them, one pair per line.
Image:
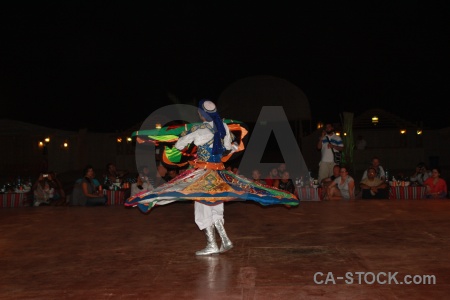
43,191
143,182
59,196
421,174
329,142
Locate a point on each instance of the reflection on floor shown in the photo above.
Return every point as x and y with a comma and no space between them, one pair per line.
319,250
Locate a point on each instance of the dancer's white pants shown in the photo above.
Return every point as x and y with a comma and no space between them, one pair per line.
206,215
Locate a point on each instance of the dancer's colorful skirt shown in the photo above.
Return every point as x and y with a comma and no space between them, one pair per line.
211,187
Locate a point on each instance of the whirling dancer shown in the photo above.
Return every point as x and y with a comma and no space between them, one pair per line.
208,183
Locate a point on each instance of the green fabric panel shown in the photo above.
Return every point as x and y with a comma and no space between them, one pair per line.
165,131
173,154
163,138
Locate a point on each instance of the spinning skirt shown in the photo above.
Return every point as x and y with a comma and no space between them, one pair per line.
211,187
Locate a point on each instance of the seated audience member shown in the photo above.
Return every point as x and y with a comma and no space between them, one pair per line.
271,177
420,174
235,170
59,197
281,168
436,186
144,173
171,174
43,192
373,187
85,193
161,173
113,174
342,187
143,181
376,165
256,177
336,172
94,181
285,183
328,180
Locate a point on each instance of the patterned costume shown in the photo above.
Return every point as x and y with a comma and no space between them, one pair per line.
207,182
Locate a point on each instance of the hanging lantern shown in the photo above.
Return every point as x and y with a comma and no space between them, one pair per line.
374,120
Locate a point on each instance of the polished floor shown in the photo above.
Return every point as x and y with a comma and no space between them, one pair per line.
279,253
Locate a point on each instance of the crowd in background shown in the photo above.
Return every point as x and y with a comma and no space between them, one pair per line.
333,177
88,189
374,183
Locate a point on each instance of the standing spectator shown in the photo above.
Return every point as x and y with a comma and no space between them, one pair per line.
342,187
381,174
421,174
85,193
436,186
373,187
328,142
361,143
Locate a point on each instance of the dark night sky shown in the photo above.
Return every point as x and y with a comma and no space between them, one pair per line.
106,66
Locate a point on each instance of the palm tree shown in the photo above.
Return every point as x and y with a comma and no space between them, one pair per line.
347,129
